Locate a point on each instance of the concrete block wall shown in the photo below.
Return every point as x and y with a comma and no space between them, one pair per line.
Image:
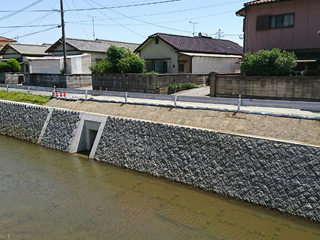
144,83
293,88
58,80
11,78
274,174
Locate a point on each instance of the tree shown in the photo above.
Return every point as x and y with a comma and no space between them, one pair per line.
268,63
119,60
14,65
5,67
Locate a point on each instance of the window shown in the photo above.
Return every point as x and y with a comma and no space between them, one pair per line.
157,41
266,22
159,66
263,22
282,21
181,68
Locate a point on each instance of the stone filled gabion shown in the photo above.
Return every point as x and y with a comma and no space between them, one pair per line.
22,121
61,129
273,174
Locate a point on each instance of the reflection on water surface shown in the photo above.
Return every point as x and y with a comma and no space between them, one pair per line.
47,194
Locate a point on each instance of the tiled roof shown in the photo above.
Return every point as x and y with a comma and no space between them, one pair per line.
198,44
4,41
97,45
257,2
27,49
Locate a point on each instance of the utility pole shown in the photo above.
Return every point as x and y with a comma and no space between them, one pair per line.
194,23
65,68
92,25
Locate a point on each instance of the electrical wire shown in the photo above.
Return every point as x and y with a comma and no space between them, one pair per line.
41,20
36,32
117,22
81,25
101,8
21,10
156,25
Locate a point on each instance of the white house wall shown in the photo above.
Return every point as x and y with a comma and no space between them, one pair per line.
210,64
160,51
49,66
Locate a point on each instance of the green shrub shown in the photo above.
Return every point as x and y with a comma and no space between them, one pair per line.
5,67
175,86
14,64
119,60
152,72
268,63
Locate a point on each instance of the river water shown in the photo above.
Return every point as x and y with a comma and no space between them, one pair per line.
47,194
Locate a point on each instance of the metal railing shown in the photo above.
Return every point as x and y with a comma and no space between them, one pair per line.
173,99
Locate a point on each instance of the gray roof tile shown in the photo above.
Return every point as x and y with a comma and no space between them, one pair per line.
27,49
98,45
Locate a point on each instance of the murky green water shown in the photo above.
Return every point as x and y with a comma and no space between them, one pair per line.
47,194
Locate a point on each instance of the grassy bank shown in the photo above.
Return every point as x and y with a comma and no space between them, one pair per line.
24,97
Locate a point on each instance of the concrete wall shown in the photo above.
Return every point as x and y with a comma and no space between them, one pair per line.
277,175
293,88
144,83
11,78
58,80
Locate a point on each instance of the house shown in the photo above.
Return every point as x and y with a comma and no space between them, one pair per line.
288,25
96,48
21,52
167,53
4,41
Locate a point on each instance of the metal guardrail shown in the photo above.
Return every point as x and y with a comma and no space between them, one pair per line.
174,99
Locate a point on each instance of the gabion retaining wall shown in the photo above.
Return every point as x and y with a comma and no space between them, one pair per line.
61,129
22,121
273,174
277,175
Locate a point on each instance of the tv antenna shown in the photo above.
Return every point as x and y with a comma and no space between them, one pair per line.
193,23
93,25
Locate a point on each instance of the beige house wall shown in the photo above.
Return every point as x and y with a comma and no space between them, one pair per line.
161,51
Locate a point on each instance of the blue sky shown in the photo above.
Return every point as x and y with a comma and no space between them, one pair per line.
36,21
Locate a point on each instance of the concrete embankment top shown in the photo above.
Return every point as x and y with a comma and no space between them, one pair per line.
278,128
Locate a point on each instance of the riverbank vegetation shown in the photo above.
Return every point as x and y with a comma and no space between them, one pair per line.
24,97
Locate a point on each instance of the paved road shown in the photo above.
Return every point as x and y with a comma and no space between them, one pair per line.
289,112
195,92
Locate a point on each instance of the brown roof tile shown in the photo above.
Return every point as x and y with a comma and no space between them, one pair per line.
198,44
4,41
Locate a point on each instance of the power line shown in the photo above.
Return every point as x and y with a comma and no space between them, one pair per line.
101,8
43,17
21,10
81,25
117,22
144,21
36,32
27,23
